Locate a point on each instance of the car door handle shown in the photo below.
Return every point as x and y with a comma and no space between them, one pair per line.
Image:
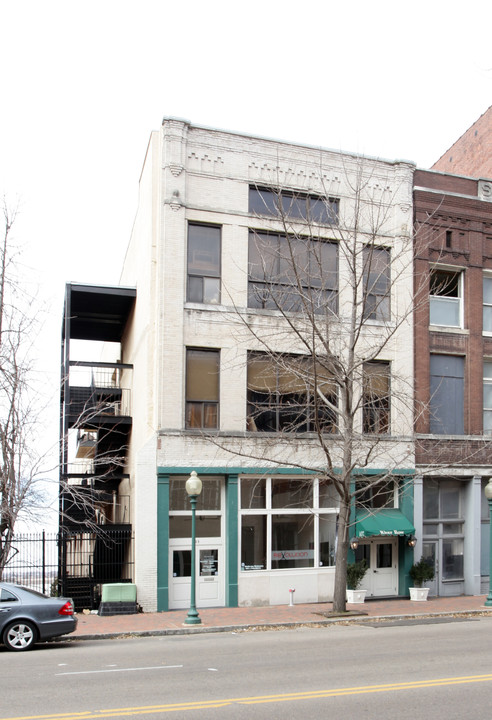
5,609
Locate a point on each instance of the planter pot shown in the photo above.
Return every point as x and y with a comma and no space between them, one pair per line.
419,594
356,596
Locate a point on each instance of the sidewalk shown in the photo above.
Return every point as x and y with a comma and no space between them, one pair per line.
92,626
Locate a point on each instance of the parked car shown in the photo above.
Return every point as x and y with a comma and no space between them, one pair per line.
27,616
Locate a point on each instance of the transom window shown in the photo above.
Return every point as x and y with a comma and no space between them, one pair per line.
376,494
293,205
281,395
445,300
292,273
287,523
208,510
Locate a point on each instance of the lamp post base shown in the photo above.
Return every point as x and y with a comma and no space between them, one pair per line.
193,618
488,600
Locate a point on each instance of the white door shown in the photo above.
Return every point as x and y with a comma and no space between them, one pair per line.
381,555
209,574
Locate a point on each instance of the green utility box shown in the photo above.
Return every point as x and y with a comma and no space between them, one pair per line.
118,599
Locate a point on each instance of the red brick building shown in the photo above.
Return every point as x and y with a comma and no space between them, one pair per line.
453,375
471,154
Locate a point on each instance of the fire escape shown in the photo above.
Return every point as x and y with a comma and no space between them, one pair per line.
95,544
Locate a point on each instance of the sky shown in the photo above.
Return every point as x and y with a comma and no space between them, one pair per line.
85,83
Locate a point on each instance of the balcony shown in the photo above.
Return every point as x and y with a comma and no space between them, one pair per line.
94,394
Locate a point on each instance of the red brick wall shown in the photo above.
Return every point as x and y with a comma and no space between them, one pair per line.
470,222
471,154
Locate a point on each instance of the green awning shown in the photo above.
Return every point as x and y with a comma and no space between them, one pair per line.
383,523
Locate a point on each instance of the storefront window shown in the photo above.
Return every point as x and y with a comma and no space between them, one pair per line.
443,505
287,523
292,541
253,542
327,540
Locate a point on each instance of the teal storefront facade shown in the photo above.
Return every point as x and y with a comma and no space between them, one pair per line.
261,531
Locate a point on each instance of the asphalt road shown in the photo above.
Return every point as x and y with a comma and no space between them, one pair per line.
442,668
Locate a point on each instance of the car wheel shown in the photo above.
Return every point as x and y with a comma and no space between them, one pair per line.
19,635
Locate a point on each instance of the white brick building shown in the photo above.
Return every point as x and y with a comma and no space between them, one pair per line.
191,362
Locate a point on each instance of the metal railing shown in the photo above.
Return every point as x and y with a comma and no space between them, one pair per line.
74,564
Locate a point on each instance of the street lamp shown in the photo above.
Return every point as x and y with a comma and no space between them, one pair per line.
193,488
488,495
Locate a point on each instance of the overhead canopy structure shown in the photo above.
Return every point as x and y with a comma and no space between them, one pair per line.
388,522
96,312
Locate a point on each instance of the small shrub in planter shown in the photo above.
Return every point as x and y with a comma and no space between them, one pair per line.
355,574
421,572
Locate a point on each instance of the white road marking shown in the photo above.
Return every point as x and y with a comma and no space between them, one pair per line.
134,669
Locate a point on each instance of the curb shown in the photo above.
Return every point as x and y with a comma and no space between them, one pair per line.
261,627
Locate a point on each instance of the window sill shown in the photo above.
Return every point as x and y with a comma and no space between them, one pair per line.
448,329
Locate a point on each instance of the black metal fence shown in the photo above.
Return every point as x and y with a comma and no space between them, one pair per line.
72,564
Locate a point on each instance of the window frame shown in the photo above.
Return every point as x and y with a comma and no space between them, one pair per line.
437,392
204,406
194,273
376,487
264,516
373,408
376,303
280,292
487,382
439,299
486,306
277,405
293,205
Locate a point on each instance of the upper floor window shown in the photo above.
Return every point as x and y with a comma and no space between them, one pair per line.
446,298
447,385
376,272
376,398
202,388
281,395
487,398
203,263
293,205
292,273
487,304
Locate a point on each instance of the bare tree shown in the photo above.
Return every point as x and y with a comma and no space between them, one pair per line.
20,494
329,379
